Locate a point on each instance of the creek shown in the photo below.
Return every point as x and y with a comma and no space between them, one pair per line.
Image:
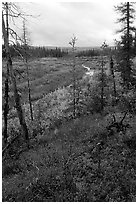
89,72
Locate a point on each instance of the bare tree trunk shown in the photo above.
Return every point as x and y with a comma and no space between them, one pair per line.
29,95
29,90
102,88
113,75
74,88
104,46
6,105
27,68
16,95
72,43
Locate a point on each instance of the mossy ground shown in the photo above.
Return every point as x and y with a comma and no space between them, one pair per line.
63,166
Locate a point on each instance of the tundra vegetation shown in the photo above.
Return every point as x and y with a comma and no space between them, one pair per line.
69,134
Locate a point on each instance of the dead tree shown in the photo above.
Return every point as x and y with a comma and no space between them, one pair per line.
13,79
72,43
118,125
6,97
25,45
102,86
104,46
113,75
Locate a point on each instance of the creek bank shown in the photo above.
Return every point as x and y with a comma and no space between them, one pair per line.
49,108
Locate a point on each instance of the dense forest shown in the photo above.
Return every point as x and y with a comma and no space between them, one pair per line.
69,117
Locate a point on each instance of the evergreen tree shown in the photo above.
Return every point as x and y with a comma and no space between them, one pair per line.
126,45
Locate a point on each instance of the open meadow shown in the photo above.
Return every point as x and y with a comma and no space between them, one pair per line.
62,163
46,75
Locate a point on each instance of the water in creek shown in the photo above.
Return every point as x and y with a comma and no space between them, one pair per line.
90,72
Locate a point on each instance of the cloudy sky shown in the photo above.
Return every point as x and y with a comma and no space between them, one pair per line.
54,23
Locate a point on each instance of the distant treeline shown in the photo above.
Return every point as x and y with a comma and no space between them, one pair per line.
46,52
32,51
88,53
40,52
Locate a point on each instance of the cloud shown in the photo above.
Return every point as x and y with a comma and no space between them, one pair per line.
91,22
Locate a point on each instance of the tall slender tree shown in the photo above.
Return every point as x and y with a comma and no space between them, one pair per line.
126,51
6,102
113,75
5,32
103,75
25,46
73,43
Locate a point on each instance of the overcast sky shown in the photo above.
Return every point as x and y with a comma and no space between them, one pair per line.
91,22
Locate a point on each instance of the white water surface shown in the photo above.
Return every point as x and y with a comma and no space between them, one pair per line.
90,72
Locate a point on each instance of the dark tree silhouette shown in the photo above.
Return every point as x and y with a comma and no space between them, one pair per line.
126,49
6,104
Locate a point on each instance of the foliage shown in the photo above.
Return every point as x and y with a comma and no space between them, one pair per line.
64,167
82,141
64,162
126,46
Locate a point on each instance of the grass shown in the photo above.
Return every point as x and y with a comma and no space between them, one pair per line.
74,160
63,167
46,75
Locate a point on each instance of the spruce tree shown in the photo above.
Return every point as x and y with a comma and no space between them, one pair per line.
126,45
